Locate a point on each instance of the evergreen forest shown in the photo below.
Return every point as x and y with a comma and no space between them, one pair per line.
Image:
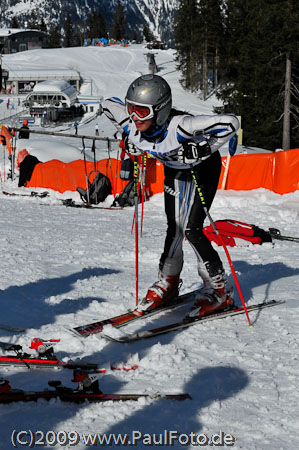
247,53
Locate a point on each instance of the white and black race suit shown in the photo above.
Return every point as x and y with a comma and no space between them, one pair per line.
183,207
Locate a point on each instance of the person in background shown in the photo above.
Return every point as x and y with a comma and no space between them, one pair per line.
24,130
181,141
76,127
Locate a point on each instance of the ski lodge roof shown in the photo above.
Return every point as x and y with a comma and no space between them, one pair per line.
54,86
42,75
55,93
9,31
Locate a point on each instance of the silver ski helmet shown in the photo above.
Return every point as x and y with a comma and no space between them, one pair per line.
153,95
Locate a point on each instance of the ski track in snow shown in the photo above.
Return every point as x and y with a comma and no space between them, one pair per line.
63,267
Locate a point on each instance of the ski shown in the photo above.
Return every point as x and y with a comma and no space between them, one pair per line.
15,395
65,202
32,194
11,328
87,389
275,234
70,203
130,316
46,358
233,311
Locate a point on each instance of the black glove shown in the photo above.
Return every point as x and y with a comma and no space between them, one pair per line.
130,148
191,152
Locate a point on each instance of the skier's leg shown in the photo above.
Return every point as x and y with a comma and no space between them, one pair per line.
215,293
171,261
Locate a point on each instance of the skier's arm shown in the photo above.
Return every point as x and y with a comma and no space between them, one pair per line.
115,110
215,130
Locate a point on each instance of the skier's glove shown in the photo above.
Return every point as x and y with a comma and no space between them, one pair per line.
192,152
130,148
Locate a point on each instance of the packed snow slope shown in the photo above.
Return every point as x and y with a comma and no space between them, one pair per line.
63,267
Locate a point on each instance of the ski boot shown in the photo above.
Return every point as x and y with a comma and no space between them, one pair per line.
161,292
215,295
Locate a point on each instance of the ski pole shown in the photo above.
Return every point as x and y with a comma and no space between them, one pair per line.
13,154
85,166
136,222
3,162
202,199
116,170
143,189
141,183
109,159
93,149
139,187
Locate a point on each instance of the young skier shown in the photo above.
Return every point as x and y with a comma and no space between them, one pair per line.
181,142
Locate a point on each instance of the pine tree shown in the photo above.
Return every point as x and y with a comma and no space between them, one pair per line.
92,25
33,22
261,36
102,27
118,26
210,36
147,34
42,26
55,37
14,22
68,32
198,37
96,25
187,44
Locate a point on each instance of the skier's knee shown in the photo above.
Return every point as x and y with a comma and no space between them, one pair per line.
194,235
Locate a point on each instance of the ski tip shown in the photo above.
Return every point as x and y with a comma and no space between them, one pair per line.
251,326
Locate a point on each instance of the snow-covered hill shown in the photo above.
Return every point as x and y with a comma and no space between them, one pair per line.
63,267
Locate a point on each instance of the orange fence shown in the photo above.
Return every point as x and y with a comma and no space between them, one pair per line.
63,177
278,172
4,132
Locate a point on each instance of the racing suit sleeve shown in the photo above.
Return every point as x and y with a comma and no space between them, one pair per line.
115,110
216,130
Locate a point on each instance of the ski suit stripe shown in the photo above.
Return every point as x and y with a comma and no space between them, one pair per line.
185,214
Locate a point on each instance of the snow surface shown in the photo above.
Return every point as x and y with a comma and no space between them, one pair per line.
63,267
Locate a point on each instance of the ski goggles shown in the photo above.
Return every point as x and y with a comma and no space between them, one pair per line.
142,112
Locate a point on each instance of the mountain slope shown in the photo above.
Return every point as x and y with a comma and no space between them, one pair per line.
157,15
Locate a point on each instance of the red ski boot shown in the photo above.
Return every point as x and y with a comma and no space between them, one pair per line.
162,291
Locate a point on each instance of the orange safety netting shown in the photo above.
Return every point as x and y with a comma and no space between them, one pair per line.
62,177
278,172
4,132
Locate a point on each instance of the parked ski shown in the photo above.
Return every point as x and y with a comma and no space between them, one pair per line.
45,358
65,202
70,203
130,316
15,395
188,323
275,234
87,389
32,194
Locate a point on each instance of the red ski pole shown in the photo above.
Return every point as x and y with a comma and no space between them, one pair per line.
143,190
222,243
136,222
